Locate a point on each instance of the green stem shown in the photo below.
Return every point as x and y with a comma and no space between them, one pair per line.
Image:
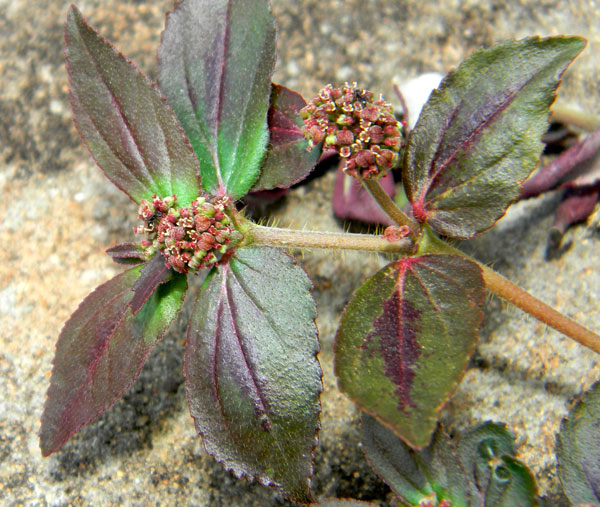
389,206
580,119
514,294
289,238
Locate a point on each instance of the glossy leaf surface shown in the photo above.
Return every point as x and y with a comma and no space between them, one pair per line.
287,160
214,65
101,351
125,122
252,377
405,339
479,134
578,450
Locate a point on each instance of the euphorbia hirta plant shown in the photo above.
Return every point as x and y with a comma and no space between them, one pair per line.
215,129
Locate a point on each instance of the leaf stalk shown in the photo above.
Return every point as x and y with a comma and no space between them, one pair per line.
389,206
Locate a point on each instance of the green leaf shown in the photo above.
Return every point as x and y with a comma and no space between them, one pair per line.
478,136
252,376
495,478
101,351
405,339
578,450
481,471
287,160
214,65
124,120
415,476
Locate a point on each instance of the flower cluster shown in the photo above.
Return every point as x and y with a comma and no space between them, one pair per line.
362,130
190,238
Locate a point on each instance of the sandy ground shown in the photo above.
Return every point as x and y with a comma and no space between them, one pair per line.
58,214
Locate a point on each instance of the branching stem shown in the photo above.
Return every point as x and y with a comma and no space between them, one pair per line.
496,283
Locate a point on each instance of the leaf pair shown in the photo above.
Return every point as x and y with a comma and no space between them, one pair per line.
406,336
477,469
252,377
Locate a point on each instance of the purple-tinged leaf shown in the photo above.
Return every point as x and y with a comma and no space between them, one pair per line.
343,502
351,201
101,351
577,205
415,477
578,450
153,273
251,373
479,134
214,65
287,160
557,171
125,122
405,339
128,253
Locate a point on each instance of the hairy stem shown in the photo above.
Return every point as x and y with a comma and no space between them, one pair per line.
571,116
389,206
273,236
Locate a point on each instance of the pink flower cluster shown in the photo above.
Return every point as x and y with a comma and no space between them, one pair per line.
190,238
362,130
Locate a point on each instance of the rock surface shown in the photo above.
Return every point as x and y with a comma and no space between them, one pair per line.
58,214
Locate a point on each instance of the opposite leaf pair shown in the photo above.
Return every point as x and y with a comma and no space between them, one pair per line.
252,377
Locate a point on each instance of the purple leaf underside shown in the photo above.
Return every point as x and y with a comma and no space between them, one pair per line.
154,272
252,377
287,160
127,253
577,205
567,166
101,351
351,201
215,63
125,122
405,339
479,134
